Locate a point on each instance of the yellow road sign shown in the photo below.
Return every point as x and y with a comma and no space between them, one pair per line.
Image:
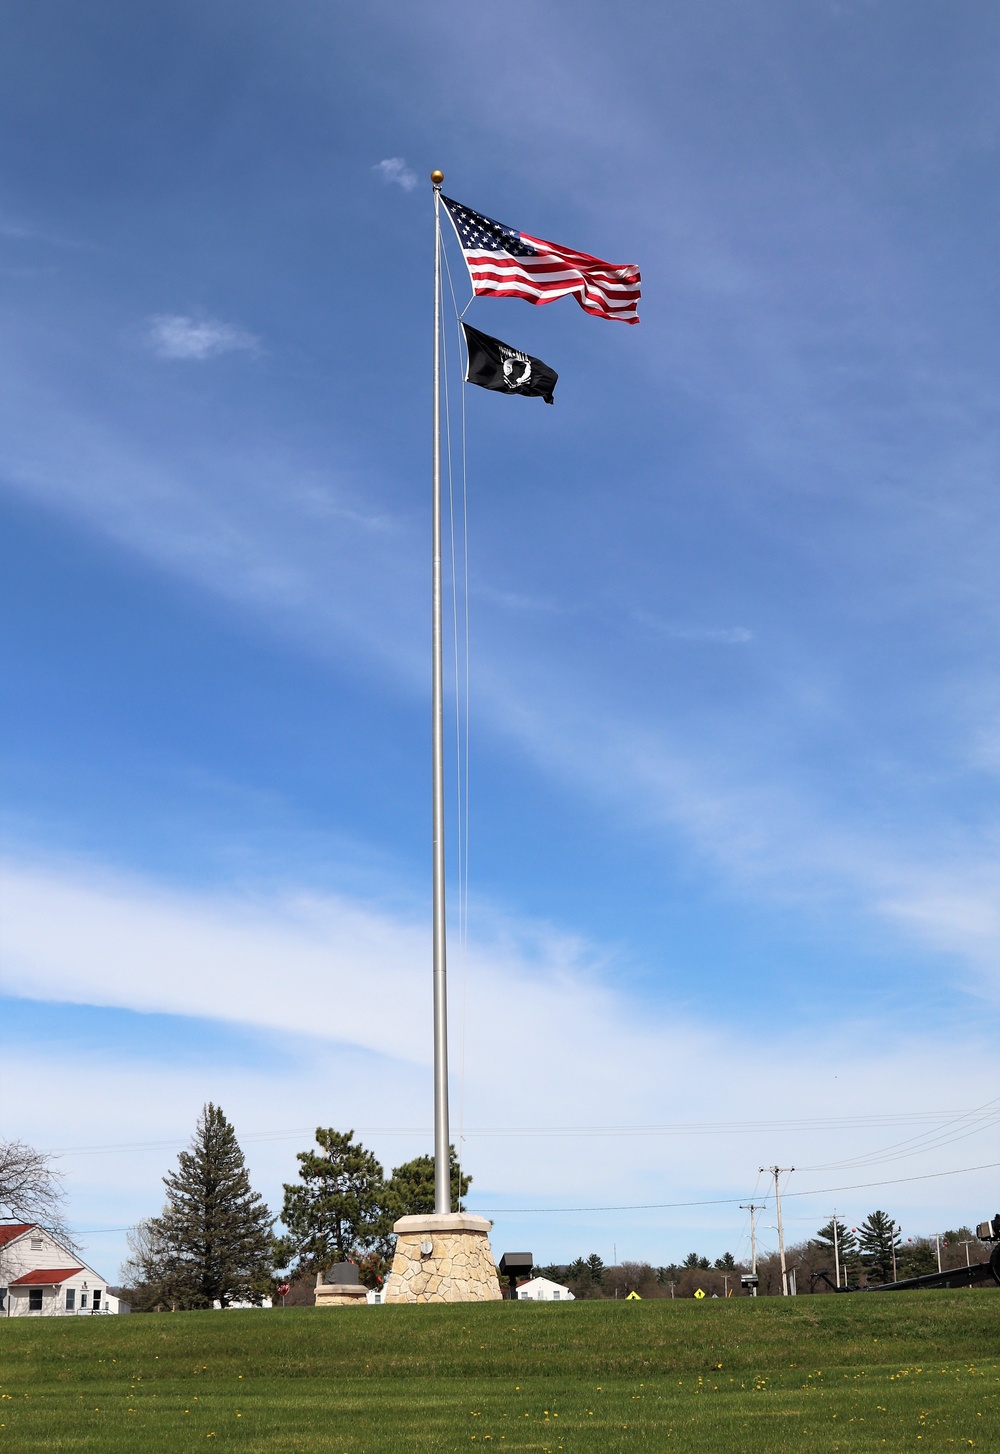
699,1292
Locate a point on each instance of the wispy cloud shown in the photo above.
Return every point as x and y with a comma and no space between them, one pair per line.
394,169
677,631
766,838
175,335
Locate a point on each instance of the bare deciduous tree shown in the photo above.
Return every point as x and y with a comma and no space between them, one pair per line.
30,1190
147,1272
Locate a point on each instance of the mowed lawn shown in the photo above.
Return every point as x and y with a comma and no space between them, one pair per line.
916,1371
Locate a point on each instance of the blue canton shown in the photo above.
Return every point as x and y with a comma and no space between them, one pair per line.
477,231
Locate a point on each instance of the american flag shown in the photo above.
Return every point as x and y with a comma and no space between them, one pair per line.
505,263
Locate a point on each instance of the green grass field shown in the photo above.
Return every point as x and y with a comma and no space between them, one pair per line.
917,1371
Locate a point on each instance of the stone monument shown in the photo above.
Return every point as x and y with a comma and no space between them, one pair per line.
442,1258
344,1289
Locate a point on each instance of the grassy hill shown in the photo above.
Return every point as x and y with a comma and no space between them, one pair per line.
915,1371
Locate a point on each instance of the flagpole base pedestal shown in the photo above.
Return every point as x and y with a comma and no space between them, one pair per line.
329,1295
442,1259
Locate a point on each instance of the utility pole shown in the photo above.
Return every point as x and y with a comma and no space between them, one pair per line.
892,1242
725,1282
671,1286
966,1245
777,1171
753,1208
937,1244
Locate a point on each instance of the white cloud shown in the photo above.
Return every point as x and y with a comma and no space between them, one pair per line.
342,989
394,169
175,335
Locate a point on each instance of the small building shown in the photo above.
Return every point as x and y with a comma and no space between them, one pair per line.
544,1290
40,1277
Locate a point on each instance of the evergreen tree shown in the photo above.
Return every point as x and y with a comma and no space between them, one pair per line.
212,1242
693,1260
847,1243
410,1190
726,1263
596,1267
340,1211
666,1275
579,1280
917,1256
877,1236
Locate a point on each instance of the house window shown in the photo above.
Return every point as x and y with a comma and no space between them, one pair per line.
97,1299
70,1299
34,1299
83,1299
3,1298
555,1296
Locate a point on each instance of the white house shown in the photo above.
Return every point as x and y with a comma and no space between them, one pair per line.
544,1290
40,1277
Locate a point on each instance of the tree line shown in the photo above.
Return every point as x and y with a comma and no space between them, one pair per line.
868,1255
214,1242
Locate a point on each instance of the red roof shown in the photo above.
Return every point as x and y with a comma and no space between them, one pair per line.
8,1231
46,1277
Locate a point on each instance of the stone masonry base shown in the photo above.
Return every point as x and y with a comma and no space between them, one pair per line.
330,1295
442,1259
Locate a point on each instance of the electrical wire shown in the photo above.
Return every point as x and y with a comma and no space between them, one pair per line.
929,1141
680,1128
728,1201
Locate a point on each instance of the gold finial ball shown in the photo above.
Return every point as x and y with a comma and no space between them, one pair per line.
437,177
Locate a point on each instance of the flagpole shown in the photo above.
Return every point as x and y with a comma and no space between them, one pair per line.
442,1138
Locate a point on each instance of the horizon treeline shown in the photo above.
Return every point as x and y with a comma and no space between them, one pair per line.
214,1241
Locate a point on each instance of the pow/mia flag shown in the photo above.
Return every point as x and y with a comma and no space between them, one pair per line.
495,365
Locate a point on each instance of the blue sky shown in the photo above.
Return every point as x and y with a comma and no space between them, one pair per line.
734,695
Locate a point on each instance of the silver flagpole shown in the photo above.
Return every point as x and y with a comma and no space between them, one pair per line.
442,1139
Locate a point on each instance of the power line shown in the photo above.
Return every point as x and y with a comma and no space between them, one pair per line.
665,1206
731,1201
678,1128
925,1142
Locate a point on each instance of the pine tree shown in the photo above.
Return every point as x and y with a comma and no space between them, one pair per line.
410,1190
596,1266
877,1236
847,1243
726,1263
212,1242
340,1211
